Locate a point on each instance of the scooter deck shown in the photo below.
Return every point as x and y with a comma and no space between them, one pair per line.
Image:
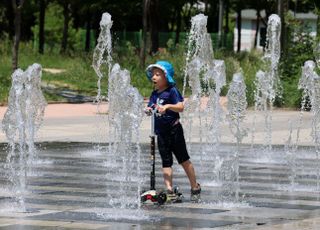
152,196
169,198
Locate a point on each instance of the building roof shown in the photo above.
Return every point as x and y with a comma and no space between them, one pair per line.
308,15
252,14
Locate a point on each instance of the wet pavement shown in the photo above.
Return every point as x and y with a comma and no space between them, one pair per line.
71,183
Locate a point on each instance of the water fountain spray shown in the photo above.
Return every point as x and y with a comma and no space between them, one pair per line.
267,81
237,105
125,114
199,55
26,105
205,77
310,83
102,52
215,78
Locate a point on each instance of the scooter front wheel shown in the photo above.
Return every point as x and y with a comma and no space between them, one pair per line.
162,198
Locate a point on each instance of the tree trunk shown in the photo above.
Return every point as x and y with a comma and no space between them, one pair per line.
154,31
144,33
282,8
239,27
66,16
213,19
17,8
178,14
318,27
279,7
88,31
317,6
206,7
42,9
10,16
226,29
257,27
220,26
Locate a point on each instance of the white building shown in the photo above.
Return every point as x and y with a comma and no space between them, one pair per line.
248,28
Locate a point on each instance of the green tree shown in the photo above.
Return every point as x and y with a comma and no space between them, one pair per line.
66,5
42,12
53,25
299,44
17,9
317,11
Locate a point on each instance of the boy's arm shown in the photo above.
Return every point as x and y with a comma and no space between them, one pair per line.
179,107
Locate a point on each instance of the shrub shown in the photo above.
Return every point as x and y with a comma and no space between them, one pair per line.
299,50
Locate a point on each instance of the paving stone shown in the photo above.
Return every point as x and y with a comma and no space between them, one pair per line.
67,189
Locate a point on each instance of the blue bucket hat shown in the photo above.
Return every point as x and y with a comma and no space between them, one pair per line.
166,67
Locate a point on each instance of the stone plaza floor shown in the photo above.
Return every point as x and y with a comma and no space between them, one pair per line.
70,186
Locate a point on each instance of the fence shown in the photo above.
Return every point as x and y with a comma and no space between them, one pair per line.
135,38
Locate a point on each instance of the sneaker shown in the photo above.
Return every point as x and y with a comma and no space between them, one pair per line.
169,191
195,194
174,197
171,194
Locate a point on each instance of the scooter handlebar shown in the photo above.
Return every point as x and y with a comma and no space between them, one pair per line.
149,111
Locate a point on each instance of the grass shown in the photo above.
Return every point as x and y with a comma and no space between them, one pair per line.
80,76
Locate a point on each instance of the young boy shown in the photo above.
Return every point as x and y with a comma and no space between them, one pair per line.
167,100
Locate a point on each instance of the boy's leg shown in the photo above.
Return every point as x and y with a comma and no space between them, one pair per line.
181,153
195,187
167,161
189,169
167,176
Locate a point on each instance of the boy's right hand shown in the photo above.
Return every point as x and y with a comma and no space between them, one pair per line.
148,111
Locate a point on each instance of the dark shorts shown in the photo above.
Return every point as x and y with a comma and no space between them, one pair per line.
172,142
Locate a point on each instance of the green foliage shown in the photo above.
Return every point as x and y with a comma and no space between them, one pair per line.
300,49
5,80
53,30
247,62
78,74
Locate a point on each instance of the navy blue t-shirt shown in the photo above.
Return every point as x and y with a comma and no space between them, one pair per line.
171,95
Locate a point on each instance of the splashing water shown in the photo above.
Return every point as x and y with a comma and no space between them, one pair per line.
26,105
237,105
125,114
197,64
199,54
102,60
310,83
102,49
267,81
290,149
205,77
291,146
200,71
215,79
